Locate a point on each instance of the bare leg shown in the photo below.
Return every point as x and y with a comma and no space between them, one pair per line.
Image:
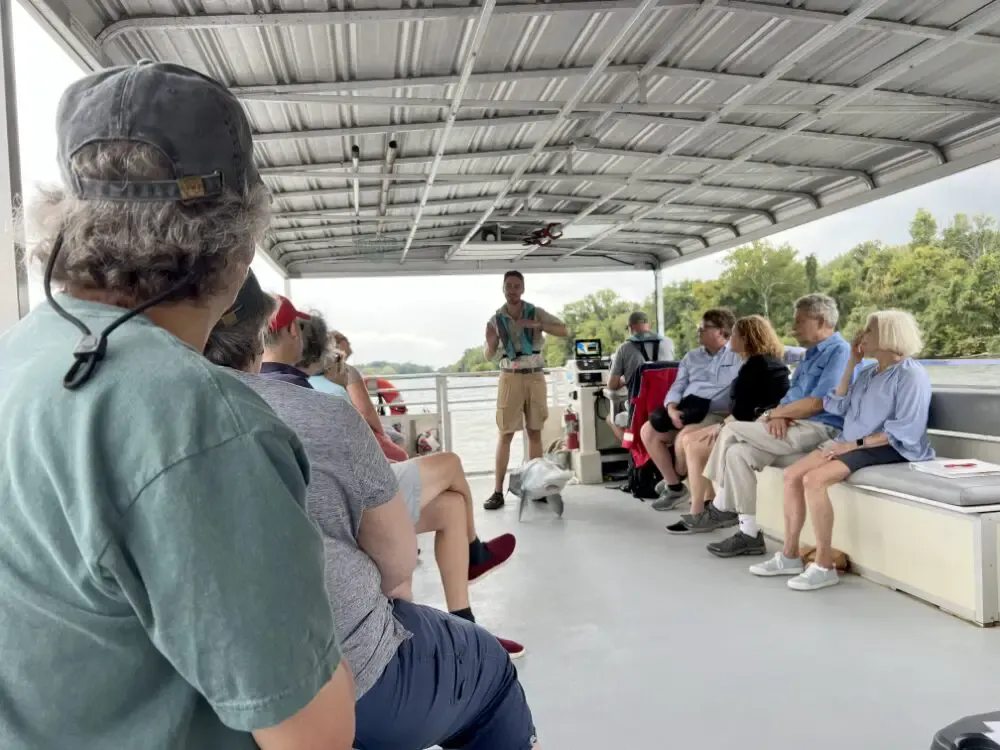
795,500
503,459
443,472
701,488
681,443
817,484
618,431
446,516
534,443
657,445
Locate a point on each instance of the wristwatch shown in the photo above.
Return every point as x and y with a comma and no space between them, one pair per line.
766,415
860,442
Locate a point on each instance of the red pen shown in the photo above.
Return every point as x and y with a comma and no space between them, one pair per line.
960,466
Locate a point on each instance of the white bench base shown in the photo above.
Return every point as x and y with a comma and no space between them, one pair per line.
948,557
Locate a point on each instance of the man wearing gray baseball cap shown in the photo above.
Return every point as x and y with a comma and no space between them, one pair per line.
163,585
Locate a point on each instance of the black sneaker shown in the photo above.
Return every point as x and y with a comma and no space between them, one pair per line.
495,501
678,528
739,544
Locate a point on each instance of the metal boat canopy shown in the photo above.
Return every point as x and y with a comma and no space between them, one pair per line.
432,137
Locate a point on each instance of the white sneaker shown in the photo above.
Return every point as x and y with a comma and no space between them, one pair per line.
814,578
779,565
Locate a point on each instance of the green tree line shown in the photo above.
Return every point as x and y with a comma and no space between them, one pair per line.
949,279
379,368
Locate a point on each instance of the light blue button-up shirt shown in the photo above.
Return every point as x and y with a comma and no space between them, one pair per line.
895,401
818,375
323,385
706,375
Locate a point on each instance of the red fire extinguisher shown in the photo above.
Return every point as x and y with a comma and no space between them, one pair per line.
571,430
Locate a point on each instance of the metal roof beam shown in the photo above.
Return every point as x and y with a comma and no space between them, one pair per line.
621,180
313,170
651,108
982,19
337,17
326,18
291,92
558,198
478,34
313,254
554,121
411,127
525,217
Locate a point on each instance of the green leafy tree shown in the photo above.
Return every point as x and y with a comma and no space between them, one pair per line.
602,315
761,278
923,229
812,273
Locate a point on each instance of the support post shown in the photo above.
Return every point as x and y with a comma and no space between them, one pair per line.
444,413
658,300
13,267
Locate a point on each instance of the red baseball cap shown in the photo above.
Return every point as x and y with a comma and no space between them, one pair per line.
285,315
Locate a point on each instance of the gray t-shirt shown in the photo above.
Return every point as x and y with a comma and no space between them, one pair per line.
349,475
628,359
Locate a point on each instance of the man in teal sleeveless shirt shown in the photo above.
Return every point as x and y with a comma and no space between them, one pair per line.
516,334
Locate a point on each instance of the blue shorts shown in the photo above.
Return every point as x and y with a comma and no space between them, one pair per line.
452,684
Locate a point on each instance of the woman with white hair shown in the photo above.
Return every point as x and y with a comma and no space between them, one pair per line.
885,422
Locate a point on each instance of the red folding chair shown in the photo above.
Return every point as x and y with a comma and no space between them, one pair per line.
655,379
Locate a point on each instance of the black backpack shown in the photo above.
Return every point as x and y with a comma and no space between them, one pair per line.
642,481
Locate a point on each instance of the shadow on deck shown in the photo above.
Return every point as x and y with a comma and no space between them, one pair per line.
639,639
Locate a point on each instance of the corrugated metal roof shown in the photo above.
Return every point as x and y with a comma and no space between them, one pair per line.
701,125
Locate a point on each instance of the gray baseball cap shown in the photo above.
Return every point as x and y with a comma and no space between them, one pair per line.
193,120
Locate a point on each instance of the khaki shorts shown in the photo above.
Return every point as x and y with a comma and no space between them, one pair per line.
522,401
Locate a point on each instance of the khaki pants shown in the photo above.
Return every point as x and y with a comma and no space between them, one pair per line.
744,448
522,399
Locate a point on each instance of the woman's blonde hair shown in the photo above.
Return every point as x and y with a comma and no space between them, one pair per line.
758,336
896,331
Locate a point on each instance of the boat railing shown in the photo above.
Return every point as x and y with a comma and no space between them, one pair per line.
444,394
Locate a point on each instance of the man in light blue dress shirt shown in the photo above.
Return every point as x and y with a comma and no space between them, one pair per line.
703,377
798,425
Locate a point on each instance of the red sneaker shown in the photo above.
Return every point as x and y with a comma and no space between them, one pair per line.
500,550
514,649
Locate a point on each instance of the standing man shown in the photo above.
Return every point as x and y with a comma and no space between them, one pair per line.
643,345
516,333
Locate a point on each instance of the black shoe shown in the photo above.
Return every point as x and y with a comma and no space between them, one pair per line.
678,528
495,501
739,544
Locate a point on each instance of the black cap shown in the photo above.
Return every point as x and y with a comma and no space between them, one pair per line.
193,120
252,301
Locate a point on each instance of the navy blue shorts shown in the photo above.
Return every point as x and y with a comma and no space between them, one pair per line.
452,684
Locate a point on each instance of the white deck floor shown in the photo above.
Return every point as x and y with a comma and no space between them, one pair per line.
639,639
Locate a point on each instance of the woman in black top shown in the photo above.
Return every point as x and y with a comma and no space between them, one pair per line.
761,383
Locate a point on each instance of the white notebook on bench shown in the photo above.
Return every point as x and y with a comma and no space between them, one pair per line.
956,467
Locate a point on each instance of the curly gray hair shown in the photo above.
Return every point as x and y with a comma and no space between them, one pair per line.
136,251
314,340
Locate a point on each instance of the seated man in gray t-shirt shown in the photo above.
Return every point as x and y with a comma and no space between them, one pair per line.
423,677
643,345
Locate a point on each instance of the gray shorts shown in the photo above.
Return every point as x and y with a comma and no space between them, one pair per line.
408,476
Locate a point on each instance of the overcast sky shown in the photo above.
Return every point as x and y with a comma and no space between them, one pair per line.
401,318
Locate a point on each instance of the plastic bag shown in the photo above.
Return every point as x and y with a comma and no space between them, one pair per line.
538,478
